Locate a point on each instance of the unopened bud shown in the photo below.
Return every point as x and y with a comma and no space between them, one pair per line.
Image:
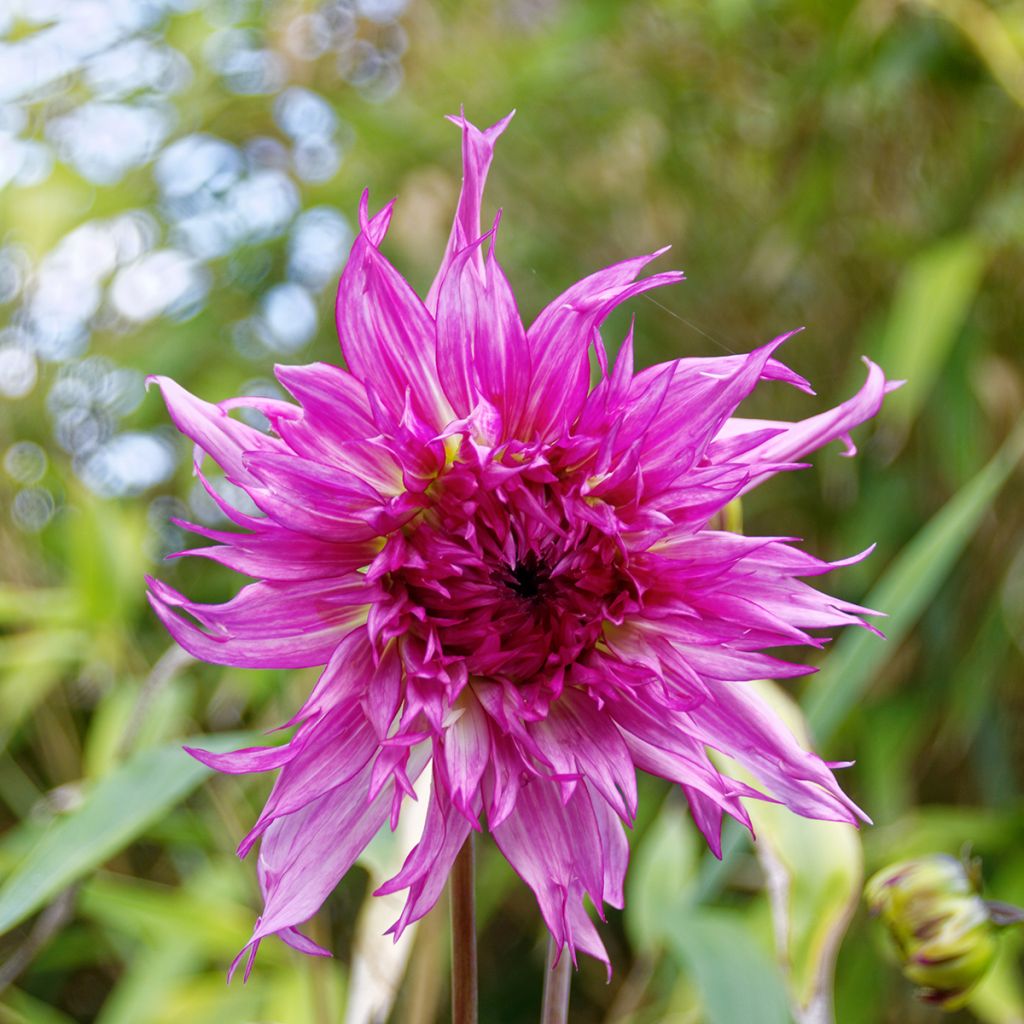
944,931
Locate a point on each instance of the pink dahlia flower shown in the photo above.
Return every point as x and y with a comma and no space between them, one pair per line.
511,578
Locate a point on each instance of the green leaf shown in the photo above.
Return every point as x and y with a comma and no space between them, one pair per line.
660,881
930,307
192,916
999,998
735,976
143,988
18,1007
814,872
115,812
905,591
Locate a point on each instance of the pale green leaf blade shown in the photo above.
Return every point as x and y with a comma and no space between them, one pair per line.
115,812
735,976
659,884
905,590
814,872
931,304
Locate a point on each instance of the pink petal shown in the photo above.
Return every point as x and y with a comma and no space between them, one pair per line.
481,343
304,855
700,401
463,754
426,869
332,400
267,625
386,333
561,852
328,752
577,738
274,552
477,153
224,439
562,334
322,501
795,440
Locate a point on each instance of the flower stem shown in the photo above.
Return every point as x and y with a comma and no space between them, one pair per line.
464,985
556,987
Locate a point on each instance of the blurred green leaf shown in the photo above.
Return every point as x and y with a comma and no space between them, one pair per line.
944,829
660,879
999,999
143,989
905,591
107,559
192,916
18,1007
814,872
31,664
735,976
114,813
35,605
931,304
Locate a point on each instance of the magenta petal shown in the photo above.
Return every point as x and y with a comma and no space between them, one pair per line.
576,737
323,501
224,439
559,851
328,752
700,402
333,400
562,334
707,815
481,343
477,153
507,570
794,440
304,855
249,759
428,865
383,691
267,625
386,333
464,754
274,552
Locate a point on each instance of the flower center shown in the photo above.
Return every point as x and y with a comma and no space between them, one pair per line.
506,573
529,578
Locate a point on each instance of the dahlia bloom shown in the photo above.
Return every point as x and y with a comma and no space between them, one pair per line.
511,578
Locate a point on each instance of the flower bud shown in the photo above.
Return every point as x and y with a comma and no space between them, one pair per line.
943,930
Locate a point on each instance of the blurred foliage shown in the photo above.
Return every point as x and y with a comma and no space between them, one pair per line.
178,181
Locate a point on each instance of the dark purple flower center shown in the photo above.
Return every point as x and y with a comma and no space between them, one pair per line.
529,578
505,571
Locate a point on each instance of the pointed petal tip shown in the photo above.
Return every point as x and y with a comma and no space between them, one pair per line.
493,131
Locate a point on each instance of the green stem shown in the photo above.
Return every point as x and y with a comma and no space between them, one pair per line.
461,892
555,1009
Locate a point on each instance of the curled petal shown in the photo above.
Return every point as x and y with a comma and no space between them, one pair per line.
214,432
386,333
428,865
267,625
477,153
304,855
481,343
562,851
560,338
333,400
794,440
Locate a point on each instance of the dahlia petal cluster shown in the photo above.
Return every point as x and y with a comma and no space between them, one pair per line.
511,577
